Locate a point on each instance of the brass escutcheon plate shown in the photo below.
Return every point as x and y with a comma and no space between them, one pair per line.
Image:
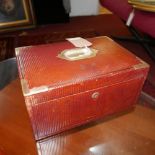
78,53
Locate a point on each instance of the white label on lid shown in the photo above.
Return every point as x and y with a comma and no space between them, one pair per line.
79,42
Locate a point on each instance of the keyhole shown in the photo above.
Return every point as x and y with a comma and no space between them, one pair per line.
95,95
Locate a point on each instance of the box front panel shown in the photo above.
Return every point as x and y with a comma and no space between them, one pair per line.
67,112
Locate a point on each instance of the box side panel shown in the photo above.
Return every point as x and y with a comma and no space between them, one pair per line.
55,116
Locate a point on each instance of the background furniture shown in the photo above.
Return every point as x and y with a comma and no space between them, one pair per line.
7,45
8,72
47,12
143,21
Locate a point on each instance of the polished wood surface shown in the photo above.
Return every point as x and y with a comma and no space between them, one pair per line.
126,134
16,137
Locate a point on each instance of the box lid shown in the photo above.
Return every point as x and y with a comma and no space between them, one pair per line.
41,69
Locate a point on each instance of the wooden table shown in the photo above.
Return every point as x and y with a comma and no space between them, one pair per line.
132,133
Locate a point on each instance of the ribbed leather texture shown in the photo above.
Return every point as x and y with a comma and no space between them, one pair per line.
58,115
39,65
79,91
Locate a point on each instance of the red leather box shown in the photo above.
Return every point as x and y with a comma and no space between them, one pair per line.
62,93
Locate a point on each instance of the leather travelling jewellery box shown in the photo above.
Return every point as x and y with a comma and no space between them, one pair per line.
65,86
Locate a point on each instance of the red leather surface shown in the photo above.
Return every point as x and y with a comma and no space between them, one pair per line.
40,65
43,67
58,115
69,102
